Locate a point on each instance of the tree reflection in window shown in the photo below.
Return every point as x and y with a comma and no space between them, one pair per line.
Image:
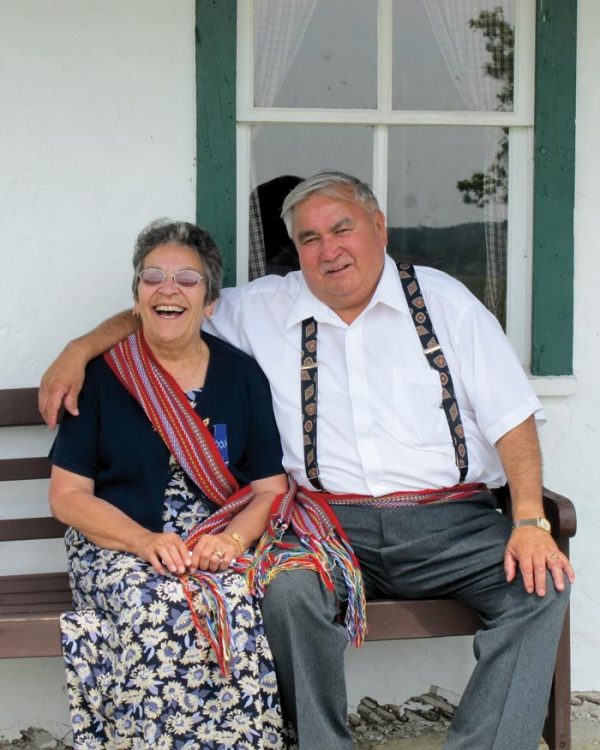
492,184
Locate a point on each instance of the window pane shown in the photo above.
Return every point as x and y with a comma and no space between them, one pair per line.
281,156
447,197
453,55
315,53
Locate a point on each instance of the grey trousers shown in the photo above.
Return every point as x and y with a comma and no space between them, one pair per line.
450,550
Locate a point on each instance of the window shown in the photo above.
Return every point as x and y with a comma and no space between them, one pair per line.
417,98
399,99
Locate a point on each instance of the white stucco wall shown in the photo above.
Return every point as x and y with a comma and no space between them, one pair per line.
97,139
571,439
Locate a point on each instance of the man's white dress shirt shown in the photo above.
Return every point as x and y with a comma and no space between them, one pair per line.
381,426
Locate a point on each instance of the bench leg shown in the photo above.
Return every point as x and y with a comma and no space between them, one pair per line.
557,729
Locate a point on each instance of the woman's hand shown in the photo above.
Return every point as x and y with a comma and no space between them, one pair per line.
216,551
73,502
165,552
213,552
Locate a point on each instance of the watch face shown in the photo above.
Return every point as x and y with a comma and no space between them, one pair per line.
543,523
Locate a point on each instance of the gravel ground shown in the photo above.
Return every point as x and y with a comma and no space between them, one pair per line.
421,723
418,724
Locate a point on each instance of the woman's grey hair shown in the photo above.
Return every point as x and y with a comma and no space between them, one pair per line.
163,231
336,185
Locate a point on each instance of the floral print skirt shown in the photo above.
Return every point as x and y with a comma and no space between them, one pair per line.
140,676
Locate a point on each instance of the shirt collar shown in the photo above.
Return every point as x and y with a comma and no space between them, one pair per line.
388,292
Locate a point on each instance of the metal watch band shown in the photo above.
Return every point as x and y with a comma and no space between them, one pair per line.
541,523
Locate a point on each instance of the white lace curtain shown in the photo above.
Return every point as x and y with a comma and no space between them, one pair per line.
465,54
279,27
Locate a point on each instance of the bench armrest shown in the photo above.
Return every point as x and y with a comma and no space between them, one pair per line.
560,511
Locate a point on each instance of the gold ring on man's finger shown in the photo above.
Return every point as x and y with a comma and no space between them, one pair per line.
552,557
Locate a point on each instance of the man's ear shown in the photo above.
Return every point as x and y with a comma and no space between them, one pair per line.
381,226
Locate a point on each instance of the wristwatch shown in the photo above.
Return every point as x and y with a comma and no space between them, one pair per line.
541,523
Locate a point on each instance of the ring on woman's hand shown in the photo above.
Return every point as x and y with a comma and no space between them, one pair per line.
219,553
551,557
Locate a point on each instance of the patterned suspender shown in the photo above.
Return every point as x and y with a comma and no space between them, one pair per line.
437,361
435,357
308,386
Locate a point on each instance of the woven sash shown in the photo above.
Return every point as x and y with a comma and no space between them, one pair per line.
408,499
188,440
324,544
172,416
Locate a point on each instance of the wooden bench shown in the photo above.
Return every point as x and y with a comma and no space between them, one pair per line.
30,605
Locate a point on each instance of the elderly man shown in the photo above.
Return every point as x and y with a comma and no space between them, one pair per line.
421,406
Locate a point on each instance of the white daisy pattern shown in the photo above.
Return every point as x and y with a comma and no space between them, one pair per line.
138,673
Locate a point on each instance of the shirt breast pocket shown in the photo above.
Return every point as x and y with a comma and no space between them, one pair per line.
419,417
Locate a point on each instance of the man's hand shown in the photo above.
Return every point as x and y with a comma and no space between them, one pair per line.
62,381
533,550
530,548
61,384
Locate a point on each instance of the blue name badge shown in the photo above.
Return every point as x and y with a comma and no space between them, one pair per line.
220,436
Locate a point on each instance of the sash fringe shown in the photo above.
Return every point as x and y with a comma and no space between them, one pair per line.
212,617
324,547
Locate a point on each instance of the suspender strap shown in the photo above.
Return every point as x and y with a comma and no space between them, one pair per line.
308,386
437,361
433,352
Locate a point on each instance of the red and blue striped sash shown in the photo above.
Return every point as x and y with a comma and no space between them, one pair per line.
324,544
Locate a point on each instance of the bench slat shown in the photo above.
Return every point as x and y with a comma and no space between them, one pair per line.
38,593
18,407
16,469
34,583
37,635
21,529
426,618
24,601
32,610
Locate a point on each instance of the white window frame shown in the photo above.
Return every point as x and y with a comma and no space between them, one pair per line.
520,165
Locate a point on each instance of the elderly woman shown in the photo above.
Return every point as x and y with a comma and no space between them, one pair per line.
165,648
